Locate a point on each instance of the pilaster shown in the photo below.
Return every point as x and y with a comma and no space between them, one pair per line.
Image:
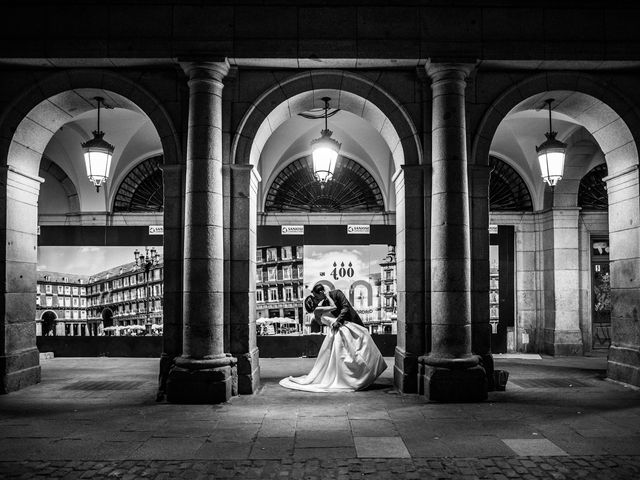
19,356
241,260
561,273
480,325
173,183
413,319
623,189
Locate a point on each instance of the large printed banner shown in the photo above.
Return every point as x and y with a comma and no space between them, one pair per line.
354,269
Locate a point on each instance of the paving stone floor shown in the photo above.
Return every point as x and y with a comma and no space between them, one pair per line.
97,418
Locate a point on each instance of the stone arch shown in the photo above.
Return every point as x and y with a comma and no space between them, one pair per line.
27,125
365,98
47,165
604,112
614,122
356,94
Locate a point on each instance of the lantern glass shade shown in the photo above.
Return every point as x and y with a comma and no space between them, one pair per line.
551,159
97,159
325,154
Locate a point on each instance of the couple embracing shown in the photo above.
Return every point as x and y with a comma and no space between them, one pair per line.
348,359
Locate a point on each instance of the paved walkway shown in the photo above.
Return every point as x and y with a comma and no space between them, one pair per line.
97,418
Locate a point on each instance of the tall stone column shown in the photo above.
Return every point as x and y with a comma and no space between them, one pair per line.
203,373
451,372
19,357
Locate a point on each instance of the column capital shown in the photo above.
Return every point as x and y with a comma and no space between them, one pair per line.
246,168
449,71
206,70
172,167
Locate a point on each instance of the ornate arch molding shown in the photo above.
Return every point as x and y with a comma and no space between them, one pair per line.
48,166
592,194
353,189
507,190
273,108
613,120
141,190
26,125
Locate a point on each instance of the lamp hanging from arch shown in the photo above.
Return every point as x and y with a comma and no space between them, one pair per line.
551,154
325,151
97,154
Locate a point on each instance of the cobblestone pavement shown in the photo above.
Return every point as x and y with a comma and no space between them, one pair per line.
97,418
534,468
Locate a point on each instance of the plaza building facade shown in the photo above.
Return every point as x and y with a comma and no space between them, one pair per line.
280,289
438,110
99,304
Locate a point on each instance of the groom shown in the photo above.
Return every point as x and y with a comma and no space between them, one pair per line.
344,312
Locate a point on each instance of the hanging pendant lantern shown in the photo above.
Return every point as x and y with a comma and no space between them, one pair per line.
551,154
97,155
325,151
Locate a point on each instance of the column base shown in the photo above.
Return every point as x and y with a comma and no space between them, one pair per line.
19,370
453,380
405,371
486,362
623,365
202,381
166,363
249,372
563,342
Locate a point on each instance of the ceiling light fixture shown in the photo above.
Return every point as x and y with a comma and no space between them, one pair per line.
97,154
325,151
551,154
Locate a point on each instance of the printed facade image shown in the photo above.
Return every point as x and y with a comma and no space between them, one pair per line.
286,274
91,291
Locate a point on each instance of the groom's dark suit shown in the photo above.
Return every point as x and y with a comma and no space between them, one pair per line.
344,311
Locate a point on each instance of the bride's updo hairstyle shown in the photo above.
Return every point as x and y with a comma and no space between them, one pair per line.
310,304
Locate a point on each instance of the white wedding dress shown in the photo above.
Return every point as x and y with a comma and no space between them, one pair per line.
348,360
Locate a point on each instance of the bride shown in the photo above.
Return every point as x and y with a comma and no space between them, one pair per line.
348,359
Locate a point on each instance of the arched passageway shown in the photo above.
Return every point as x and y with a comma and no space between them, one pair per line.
597,123
257,162
28,130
